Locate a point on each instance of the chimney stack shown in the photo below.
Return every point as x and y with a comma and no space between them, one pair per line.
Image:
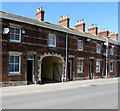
104,32
114,36
93,29
64,21
80,25
40,14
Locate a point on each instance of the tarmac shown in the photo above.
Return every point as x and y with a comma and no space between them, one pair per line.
15,90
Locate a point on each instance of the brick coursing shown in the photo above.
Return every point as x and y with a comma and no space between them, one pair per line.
36,39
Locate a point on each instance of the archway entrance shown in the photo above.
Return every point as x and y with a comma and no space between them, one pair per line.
51,69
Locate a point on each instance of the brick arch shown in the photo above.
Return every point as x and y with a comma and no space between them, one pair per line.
52,55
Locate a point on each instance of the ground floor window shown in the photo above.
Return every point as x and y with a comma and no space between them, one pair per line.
80,66
14,64
111,66
97,66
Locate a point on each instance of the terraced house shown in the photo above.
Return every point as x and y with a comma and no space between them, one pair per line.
35,51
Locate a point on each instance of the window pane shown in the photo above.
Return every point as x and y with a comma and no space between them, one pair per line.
52,40
16,67
16,59
80,66
11,59
12,36
11,30
11,67
80,44
17,31
16,37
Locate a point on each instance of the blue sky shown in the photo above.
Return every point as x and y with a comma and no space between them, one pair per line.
104,14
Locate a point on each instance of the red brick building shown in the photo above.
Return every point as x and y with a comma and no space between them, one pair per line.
35,51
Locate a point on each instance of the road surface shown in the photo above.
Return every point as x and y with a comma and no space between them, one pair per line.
101,96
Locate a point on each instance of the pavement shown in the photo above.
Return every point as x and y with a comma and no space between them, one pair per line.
15,90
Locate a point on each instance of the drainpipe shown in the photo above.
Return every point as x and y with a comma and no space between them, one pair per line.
106,58
66,57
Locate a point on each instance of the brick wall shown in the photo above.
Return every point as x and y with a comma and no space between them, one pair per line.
36,39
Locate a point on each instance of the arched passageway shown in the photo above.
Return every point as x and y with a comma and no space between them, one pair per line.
51,69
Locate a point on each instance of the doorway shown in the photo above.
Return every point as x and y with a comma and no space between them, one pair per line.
57,72
91,63
118,74
70,69
30,71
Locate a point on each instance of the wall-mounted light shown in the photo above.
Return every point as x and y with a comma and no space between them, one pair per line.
112,46
6,30
88,39
105,43
23,31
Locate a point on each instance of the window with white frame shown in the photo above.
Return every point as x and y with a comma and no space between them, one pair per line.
98,48
111,66
80,45
111,51
97,66
51,40
14,64
15,34
80,66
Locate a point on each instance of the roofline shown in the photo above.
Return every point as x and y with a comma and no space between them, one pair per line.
9,18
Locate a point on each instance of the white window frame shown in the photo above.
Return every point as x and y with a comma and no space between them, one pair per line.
78,66
112,51
112,67
15,54
80,43
98,48
98,63
50,39
13,40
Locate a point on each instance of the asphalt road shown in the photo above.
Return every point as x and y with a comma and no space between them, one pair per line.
104,96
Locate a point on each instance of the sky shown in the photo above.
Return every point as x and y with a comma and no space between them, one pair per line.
104,14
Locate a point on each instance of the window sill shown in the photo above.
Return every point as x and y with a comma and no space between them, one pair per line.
111,72
80,50
14,74
98,72
80,73
14,41
51,46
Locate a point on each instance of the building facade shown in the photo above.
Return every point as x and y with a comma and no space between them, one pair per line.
34,51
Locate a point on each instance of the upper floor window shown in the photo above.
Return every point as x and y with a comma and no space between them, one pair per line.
80,45
15,34
98,48
97,66
112,51
80,66
111,66
14,64
51,40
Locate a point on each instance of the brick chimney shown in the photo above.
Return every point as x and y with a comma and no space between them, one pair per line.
104,32
93,29
114,36
40,14
64,21
80,25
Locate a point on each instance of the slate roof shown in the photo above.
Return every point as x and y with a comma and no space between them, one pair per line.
52,26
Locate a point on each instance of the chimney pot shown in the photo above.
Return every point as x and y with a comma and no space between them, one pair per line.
40,14
93,29
114,36
64,21
104,32
80,25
